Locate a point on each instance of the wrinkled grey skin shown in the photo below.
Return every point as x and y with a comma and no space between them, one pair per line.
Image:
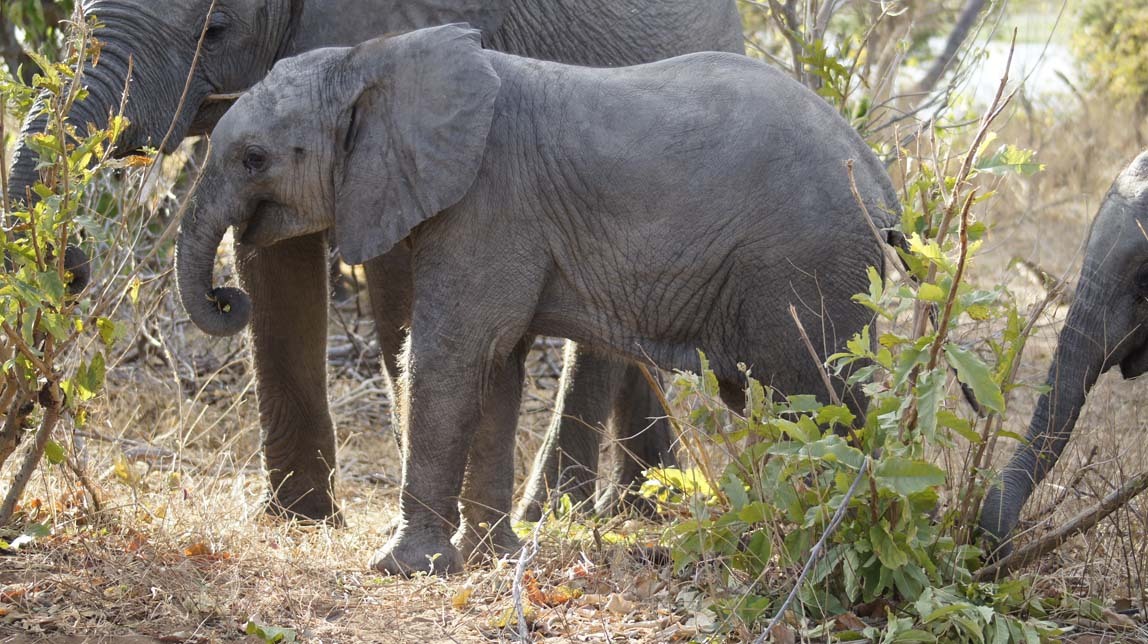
647,211
1107,326
288,281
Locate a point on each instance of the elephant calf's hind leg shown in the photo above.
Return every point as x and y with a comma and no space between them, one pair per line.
488,489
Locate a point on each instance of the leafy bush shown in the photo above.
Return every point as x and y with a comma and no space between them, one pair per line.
52,347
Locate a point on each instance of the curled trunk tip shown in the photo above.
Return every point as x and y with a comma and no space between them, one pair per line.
227,313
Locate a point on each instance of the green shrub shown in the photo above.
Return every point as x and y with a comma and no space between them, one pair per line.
52,359
898,526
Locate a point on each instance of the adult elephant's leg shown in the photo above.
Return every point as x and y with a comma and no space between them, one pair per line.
641,438
488,489
567,462
391,291
288,286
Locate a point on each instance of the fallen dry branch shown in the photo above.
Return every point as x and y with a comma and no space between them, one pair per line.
1080,523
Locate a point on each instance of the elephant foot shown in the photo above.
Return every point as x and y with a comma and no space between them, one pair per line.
482,543
309,508
408,553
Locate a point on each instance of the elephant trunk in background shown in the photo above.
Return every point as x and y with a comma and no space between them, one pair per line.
105,84
216,311
1080,359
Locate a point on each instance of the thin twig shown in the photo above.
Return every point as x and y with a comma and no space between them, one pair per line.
962,260
818,550
833,397
882,240
529,550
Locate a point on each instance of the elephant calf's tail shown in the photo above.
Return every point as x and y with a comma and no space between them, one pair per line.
898,240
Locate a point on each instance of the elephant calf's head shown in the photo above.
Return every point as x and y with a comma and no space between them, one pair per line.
373,140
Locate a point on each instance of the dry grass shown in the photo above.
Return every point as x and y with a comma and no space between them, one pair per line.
180,548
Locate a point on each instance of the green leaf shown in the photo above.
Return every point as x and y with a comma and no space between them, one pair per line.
271,634
890,554
54,452
930,293
89,378
1010,159
949,420
972,371
914,635
905,476
107,330
930,393
831,415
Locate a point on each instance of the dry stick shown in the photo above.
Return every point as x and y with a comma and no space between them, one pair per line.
32,459
882,241
818,550
528,551
1079,524
962,260
4,166
23,347
833,397
78,471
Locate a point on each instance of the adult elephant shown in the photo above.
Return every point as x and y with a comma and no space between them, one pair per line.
1107,326
241,39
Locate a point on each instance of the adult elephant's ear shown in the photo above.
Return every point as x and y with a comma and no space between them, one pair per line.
413,134
287,40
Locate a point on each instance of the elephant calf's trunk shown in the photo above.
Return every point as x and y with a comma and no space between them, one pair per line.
225,311
216,311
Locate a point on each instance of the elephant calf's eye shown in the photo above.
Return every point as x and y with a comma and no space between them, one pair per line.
255,159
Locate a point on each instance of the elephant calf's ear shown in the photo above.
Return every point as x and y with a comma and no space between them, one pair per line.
421,120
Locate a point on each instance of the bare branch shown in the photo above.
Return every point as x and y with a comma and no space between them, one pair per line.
957,37
1079,524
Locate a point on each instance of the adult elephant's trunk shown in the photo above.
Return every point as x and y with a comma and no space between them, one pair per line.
24,175
105,86
1083,352
216,311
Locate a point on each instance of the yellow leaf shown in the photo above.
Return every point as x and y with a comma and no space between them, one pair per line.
461,598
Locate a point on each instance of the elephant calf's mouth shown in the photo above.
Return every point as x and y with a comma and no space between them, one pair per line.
257,230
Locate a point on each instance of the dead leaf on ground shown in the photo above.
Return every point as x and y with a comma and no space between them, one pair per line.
782,634
202,551
850,622
618,605
461,598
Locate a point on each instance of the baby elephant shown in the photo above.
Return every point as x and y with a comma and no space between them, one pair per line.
647,211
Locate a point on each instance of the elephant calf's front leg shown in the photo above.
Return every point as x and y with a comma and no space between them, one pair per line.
444,381
288,287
